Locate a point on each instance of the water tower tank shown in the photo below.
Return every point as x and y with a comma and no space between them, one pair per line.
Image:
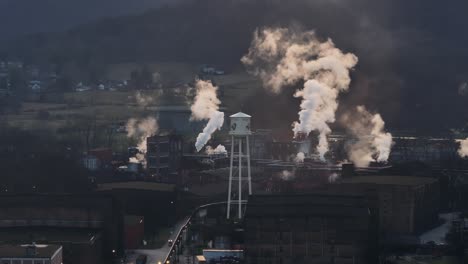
240,124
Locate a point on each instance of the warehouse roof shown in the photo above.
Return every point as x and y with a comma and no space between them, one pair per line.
390,180
306,204
20,251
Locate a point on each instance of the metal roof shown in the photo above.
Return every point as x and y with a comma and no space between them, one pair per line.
19,251
390,180
240,114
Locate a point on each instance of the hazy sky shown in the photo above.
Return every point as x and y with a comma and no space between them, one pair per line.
18,17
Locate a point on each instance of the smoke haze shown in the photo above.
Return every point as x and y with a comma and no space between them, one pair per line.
373,143
282,57
141,129
463,150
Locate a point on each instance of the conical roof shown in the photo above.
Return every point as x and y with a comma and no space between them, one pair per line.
240,114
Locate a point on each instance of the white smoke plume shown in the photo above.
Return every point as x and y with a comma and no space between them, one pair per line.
463,89
220,149
299,157
373,143
144,100
463,150
286,175
141,129
333,177
205,107
282,57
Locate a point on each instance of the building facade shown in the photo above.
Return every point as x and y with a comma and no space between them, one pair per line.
30,254
312,228
164,154
407,205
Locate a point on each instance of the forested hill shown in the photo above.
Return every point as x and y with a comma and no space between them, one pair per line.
411,61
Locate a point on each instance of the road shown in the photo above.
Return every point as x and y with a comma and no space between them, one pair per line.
156,256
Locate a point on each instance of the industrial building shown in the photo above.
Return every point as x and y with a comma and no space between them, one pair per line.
164,154
32,254
310,228
407,205
89,228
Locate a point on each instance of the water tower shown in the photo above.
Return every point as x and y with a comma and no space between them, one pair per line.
240,132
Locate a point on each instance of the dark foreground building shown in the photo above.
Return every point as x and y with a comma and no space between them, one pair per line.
407,205
23,254
89,228
310,228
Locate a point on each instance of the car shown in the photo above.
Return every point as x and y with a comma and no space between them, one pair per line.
170,242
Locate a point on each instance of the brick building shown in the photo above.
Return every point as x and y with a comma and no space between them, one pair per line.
310,228
407,205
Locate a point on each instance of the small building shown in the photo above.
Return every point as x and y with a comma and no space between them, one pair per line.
218,255
12,254
91,162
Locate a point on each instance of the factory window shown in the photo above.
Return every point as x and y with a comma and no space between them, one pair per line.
164,147
164,160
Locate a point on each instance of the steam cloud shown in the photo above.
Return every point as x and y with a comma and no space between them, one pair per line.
205,107
286,175
220,149
463,150
281,57
141,129
299,157
373,143
333,177
144,100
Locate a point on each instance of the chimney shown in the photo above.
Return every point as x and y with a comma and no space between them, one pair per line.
347,170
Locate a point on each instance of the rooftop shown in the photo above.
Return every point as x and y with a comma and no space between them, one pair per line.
137,185
240,114
52,235
19,251
306,204
390,180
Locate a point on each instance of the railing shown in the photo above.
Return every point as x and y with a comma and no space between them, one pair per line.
49,222
178,239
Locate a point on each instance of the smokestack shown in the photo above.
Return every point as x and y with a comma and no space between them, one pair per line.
347,170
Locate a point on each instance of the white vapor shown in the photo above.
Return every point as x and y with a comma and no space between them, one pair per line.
141,129
144,100
282,57
299,157
220,149
286,175
463,150
373,143
205,107
333,177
